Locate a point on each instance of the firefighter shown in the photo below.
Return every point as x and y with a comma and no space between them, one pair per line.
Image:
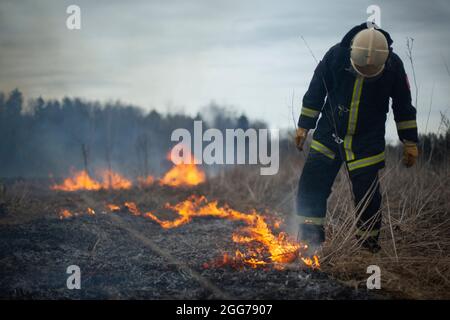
350,91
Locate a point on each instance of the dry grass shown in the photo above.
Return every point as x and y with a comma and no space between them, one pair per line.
415,238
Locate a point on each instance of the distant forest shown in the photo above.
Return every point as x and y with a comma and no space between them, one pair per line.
44,138
51,137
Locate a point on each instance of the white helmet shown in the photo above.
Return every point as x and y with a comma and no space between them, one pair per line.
369,52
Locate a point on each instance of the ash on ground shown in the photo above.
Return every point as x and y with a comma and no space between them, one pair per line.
34,257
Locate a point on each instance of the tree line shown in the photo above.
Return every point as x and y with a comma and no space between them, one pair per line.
43,138
50,137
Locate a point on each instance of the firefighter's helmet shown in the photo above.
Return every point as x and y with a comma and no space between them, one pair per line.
369,52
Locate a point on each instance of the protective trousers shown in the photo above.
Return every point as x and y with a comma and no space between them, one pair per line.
314,189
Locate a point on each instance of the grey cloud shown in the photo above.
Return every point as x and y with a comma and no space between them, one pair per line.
245,53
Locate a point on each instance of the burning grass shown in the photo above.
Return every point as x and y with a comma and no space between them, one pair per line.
81,180
260,245
180,175
183,175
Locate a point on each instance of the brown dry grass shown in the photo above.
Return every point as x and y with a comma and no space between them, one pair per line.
415,237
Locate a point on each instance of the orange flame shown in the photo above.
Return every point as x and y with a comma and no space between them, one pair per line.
113,207
263,247
131,206
113,180
82,181
64,214
183,174
312,262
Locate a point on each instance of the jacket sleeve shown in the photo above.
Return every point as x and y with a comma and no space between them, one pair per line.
404,111
313,100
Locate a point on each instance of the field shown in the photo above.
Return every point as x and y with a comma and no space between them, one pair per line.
124,254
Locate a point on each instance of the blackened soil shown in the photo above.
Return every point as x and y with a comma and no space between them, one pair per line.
34,257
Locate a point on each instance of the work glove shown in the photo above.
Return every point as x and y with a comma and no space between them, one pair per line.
300,137
410,153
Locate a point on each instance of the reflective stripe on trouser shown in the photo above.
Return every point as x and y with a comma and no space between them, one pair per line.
367,233
366,162
315,185
318,221
311,230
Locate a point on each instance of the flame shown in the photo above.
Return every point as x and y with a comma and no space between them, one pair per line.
262,246
64,214
82,181
259,245
113,207
311,262
131,206
113,180
183,174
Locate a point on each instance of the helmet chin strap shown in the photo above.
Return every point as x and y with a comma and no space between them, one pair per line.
364,75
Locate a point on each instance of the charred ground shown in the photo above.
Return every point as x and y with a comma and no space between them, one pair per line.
116,263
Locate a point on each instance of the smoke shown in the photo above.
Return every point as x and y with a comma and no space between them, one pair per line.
52,137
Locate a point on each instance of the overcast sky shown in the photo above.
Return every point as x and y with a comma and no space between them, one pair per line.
175,55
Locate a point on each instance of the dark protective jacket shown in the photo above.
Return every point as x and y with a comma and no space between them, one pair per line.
353,116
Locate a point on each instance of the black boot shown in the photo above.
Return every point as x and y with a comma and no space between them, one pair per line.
313,235
370,244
